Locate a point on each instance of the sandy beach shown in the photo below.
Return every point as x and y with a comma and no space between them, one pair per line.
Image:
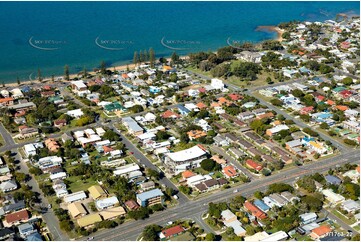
272,29
72,76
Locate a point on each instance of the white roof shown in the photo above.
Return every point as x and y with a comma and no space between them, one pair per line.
126,169
146,136
73,197
237,227
100,131
79,84
333,196
29,148
58,175
51,158
149,117
75,113
280,235
278,128
227,214
187,154
307,216
107,202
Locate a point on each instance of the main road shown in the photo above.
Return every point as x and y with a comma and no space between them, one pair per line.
193,209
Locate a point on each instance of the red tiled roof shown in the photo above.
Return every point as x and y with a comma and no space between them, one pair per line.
341,107
322,230
131,204
254,210
235,96
202,90
186,174
17,216
229,171
254,165
107,149
172,231
170,114
6,99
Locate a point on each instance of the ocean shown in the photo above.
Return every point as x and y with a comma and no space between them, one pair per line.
49,35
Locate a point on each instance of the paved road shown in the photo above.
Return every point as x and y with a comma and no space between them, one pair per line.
144,160
219,150
8,140
339,221
130,230
49,217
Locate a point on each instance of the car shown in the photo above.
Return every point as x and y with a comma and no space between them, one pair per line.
131,152
49,206
170,223
235,191
90,238
175,197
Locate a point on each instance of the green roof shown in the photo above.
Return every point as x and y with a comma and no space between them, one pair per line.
113,107
339,89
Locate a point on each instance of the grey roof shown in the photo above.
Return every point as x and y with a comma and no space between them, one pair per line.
294,143
22,105
25,226
34,237
14,207
132,124
7,185
333,179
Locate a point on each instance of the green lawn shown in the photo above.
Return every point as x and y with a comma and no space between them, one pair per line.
187,236
344,218
77,184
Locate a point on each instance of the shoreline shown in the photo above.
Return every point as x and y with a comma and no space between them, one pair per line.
270,28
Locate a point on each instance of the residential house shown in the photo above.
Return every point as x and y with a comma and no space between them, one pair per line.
182,160
334,180
230,221
26,229
196,134
132,126
350,206
307,218
320,232
332,197
8,186
255,211
229,171
17,217
105,203
276,129
74,197
220,140
96,192
77,210
60,123
149,198
89,220
172,232
52,145
253,165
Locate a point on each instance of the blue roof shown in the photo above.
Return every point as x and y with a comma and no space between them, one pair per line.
34,237
304,69
182,108
333,179
261,205
308,139
149,194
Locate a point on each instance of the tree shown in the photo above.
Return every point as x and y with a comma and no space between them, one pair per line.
66,225
135,58
111,135
66,72
347,81
103,68
137,109
210,237
276,102
141,56
313,203
324,126
150,232
307,183
258,194
208,164
35,171
153,173
174,58
162,135
279,187
39,75
151,57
